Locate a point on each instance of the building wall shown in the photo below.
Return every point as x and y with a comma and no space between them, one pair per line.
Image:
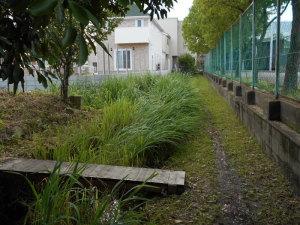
152,54
140,56
107,64
170,26
156,55
177,45
182,48
130,21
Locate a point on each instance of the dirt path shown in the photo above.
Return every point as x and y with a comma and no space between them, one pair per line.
230,179
234,208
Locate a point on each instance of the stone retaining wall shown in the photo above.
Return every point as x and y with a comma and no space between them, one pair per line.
273,122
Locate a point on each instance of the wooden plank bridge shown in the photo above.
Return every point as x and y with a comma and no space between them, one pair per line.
164,181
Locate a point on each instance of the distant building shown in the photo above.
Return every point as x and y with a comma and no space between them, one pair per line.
139,45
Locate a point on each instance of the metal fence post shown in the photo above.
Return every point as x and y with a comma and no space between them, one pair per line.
225,58
277,66
240,49
220,59
253,44
231,53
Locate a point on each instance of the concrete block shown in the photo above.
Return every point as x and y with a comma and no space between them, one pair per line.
274,111
219,81
238,90
250,97
224,82
230,86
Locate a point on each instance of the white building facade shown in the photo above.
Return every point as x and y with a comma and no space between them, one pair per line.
139,45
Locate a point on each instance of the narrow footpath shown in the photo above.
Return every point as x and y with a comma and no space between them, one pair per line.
230,180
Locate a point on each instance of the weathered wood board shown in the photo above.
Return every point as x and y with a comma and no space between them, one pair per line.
164,181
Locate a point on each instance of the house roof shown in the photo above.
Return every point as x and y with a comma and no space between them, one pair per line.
135,11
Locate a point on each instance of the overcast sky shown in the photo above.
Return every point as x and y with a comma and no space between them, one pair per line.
181,9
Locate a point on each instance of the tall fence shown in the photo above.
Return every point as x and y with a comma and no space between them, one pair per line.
262,48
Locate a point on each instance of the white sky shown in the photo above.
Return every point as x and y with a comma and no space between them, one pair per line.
181,9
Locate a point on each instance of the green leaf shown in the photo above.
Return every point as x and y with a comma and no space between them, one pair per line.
42,7
60,12
102,45
4,40
83,50
41,64
79,12
92,18
69,36
42,79
91,44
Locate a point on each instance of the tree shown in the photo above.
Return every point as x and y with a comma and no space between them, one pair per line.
208,20
62,55
23,24
186,63
293,58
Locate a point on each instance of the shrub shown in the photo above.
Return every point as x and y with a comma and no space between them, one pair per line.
141,119
186,64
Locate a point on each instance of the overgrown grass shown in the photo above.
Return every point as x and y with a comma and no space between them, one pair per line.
66,201
265,188
141,119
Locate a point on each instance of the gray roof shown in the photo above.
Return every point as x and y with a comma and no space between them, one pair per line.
135,11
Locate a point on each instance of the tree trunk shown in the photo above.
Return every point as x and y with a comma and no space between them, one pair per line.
293,59
65,83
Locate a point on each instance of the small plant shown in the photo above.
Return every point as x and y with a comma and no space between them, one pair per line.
65,201
187,64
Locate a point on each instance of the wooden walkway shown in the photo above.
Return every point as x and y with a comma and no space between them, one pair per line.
164,181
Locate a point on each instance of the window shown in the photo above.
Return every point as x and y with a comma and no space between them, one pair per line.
139,23
123,59
95,67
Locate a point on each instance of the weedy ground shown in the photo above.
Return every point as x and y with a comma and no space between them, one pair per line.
136,121
26,114
230,180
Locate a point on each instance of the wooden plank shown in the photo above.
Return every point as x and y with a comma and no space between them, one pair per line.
105,173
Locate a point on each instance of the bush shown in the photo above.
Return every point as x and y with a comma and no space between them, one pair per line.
141,119
187,64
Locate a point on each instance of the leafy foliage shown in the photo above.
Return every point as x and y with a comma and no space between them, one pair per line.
142,120
187,63
207,21
65,200
23,25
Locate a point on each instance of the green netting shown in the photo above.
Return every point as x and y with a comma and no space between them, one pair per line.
236,50
246,45
265,57
227,54
254,62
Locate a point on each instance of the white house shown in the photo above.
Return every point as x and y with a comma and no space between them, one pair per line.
139,45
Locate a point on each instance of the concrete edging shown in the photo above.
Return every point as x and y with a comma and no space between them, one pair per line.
274,123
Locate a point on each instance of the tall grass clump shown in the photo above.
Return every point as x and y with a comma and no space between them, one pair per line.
66,201
140,122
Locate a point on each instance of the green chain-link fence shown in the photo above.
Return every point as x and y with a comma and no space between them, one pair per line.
269,61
